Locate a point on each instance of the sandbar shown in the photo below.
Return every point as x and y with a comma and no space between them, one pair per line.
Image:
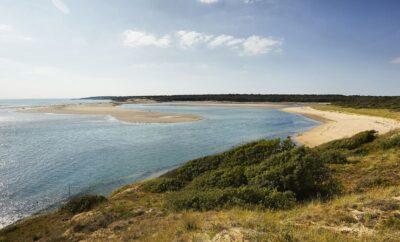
111,109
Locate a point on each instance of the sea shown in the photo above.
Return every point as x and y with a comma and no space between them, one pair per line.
47,158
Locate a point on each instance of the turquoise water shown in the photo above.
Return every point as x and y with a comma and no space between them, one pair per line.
43,156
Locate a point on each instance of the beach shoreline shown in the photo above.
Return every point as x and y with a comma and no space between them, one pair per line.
336,125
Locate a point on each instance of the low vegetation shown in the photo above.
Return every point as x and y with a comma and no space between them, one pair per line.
265,174
83,203
269,190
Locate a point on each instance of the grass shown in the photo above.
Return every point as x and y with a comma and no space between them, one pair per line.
366,209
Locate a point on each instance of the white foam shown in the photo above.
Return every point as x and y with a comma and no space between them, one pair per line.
6,220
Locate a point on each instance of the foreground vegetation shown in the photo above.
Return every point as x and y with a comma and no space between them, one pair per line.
270,190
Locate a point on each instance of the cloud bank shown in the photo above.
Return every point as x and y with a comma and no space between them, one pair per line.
139,38
183,39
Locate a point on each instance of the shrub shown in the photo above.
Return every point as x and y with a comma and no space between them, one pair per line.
255,152
266,174
389,143
245,197
333,157
221,178
301,171
83,203
162,185
353,142
244,155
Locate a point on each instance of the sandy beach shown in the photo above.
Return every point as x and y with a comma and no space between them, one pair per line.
337,125
122,114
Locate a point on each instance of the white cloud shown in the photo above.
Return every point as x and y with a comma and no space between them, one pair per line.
220,40
208,1
60,5
250,46
395,61
139,38
191,38
256,45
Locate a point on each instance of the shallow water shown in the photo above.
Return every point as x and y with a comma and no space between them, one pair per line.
43,156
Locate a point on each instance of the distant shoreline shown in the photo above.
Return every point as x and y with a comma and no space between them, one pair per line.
334,125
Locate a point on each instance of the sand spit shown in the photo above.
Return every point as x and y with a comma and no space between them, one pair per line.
122,114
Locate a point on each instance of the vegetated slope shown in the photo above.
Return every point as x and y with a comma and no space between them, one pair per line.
267,174
270,190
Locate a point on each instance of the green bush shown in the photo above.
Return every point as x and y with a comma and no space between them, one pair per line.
244,155
266,174
221,178
256,151
333,157
247,197
83,203
300,170
352,143
163,184
389,143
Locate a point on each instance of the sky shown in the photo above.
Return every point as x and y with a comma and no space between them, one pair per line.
81,48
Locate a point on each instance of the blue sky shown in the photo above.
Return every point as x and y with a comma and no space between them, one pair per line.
77,48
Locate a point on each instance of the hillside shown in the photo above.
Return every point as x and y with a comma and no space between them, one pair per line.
270,190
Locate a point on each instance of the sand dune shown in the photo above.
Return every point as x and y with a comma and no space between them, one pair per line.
122,114
339,125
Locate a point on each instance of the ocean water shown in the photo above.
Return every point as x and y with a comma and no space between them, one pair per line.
45,158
